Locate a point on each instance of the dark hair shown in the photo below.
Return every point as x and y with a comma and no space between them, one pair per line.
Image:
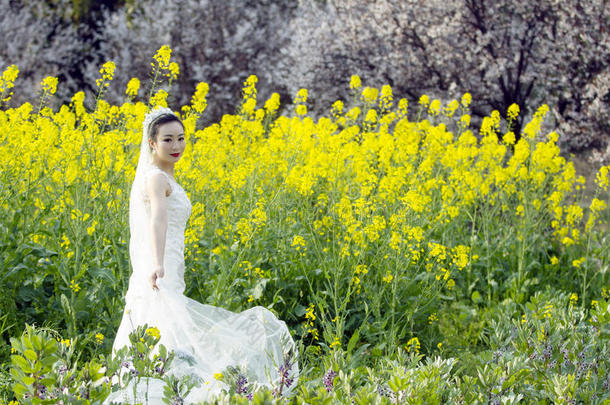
160,120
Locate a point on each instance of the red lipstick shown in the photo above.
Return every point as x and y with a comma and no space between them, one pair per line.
175,154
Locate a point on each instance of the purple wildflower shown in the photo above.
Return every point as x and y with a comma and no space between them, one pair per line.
328,379
285,379
241,385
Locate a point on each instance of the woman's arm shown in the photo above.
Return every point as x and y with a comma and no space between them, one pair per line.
157,186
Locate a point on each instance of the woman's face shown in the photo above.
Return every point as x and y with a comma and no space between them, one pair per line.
170,143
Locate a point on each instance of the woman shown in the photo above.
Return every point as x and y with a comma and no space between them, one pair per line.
206,339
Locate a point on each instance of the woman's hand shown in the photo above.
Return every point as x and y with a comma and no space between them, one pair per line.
159,272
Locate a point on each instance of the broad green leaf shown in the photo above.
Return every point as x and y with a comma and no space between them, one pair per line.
20,362
353,341
30,355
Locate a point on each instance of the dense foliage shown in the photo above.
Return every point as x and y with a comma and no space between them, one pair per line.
414,258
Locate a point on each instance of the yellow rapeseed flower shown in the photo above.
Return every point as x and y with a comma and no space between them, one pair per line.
520,210
173,71
424,100
9,76
509,138
159,99
451,108
153,332
403,106
371,116
335,343
132,87
466,99
7,82
369,94
163,56
107,72
74,286
301,96
573,299
386,98
435,107
353,113
49,84
513,112
547,311
413,345
273,103
465,120
91,228
602,178
249,106
578,262
298,242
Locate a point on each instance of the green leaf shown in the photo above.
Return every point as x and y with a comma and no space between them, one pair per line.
51,346
141,347
28,380
16,344
476,297
48,361
30,355
19,390
102,274
26,342
48,382
353,340
257,292
14,270
394,384
20,362
37,342
299,310
66,305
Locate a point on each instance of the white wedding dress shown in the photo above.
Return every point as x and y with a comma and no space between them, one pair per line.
206,339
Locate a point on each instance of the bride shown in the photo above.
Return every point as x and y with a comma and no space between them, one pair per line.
205,339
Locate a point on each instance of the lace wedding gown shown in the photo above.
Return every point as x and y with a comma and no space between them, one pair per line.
206,339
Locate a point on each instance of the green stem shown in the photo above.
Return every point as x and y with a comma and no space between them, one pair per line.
488,264
520,260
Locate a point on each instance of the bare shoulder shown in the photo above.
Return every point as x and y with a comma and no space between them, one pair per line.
157,185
